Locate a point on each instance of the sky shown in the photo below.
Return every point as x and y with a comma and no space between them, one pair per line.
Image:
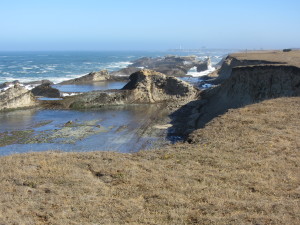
37,25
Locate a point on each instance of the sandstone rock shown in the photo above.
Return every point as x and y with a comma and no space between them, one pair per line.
46,90
145,86
149,86
16,97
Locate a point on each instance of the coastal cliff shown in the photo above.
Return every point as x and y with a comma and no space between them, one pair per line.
245,85
257,58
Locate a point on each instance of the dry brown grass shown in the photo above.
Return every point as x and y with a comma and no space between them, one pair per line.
290,58
245,169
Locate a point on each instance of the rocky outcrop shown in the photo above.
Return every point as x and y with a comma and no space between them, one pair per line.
205,65
7,85
246,85
46,90
93,77
169,65
148,86
145,86
125,71
39,82
16,97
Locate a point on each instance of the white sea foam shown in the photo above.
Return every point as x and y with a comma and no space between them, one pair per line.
65,94
118,65
193,72
27,68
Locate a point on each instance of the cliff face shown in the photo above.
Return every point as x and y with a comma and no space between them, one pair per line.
246,85
230,62
16,97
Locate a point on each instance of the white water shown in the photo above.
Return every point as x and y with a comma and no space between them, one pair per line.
193,72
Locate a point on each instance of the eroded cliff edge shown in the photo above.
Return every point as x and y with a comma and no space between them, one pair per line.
246,81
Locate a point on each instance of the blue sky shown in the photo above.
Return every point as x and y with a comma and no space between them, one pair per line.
148,25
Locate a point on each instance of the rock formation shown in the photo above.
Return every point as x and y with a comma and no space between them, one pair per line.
93,77
7,85
46,90
169,65
145,86
148,86
202,66
125,71
16,97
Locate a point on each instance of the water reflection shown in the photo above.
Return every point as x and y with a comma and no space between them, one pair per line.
16,120
122,128
96,86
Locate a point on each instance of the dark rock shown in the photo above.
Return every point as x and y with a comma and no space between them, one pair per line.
93,77
39,82
204,65
46,90
125,71
169,65
8,84
287,50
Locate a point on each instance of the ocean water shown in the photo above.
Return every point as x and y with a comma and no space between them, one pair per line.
60,66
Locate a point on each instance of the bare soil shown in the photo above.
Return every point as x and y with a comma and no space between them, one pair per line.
243,168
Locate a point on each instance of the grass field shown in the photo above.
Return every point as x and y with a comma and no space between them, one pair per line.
242,168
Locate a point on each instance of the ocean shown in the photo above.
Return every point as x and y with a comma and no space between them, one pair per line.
60,66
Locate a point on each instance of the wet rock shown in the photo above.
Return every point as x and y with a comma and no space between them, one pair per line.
169,65
46,90
69,123
93,77
16,97
39,82
204,65
7,85
125,71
